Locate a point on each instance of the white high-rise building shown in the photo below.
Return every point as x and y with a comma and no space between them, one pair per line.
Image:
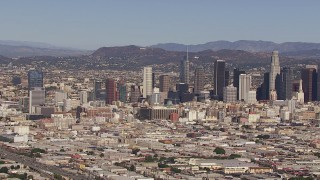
300,94
230,94
59,96
83,97
274,70
252,97
244,86
147,81
37,97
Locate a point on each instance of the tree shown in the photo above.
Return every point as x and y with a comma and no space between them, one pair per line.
160,165
219,150
37,150
148,159
234,156
171,159
175,170
4,170
101,155
135,151
132,168
265,136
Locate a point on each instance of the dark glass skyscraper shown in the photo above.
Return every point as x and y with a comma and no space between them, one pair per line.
185,71
35,79
219,78
309,84
164,83
198,80
284,84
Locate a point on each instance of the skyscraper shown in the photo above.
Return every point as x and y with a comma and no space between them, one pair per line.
244,86
185,70
83,97
97,85
134,94
35,79
37,97
274,70
164,83
147,81
236,74
309,84
122,89
198,80
300,94
219,78
111,91
284,84
227,78
229,94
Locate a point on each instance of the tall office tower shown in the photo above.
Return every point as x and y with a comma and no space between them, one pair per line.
147,81
164,83
284,84
37,97
183,92
111,91
185,70
229,94
122,88
153,80
236,74
274,70
266,86
97,86
155,97
227,78
35,79
59,96
244,86
309,84
83,97
219,78
134,94
199,80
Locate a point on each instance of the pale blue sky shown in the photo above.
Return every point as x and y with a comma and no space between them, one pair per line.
91,24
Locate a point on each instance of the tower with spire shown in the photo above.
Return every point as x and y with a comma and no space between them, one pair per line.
300,94
185,70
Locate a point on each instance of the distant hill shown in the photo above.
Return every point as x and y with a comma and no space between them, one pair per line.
134,56
4,60
245,45
29,49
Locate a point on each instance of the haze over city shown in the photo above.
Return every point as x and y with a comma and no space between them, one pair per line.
93,24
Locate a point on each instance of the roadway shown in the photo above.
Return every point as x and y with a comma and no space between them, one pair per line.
40,167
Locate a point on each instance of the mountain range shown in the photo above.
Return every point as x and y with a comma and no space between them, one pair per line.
16,49
245,45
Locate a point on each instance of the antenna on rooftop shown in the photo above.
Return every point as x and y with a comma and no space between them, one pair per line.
187,52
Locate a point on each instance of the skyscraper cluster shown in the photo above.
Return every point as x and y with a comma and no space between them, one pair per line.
278,83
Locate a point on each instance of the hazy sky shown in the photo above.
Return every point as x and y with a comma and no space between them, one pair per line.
91,24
